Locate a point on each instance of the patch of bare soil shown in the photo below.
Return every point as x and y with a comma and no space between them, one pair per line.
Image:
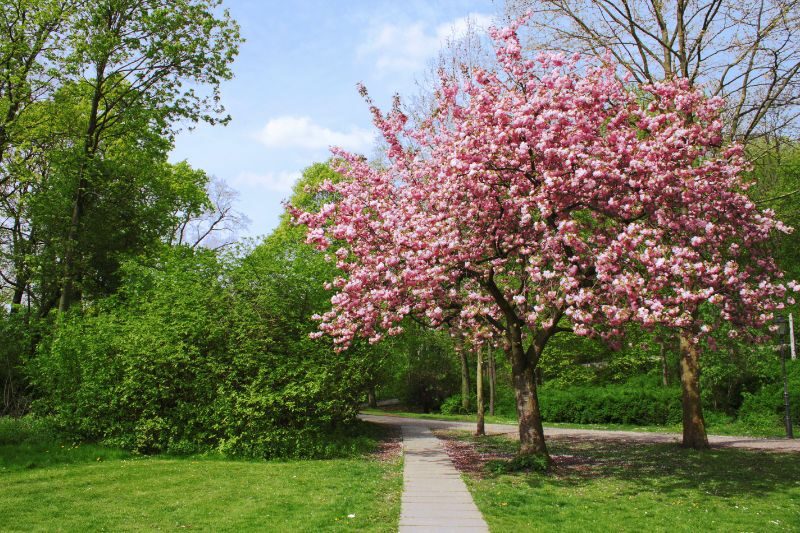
467,457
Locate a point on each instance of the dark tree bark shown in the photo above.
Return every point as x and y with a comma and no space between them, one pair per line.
69,293
694,427
664,368
531,432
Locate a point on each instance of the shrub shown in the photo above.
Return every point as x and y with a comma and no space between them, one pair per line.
615,404
194,354
764,409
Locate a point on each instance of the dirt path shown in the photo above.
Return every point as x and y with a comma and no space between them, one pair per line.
716,441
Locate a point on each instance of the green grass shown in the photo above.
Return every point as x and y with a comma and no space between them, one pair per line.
613,486
716,424
47,485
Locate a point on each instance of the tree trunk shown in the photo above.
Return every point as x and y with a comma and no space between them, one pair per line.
68,283
462,355
694,427
372,398
531,432
91,142
664,369
481,427
492,381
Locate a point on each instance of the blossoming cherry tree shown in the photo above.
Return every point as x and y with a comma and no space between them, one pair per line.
539,199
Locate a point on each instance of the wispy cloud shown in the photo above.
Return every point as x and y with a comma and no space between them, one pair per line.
404,47
304,133
270,181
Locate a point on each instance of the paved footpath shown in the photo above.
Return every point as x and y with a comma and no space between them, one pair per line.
716,441
435,497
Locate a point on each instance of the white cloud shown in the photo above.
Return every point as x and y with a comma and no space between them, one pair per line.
304,133
403,47
271,181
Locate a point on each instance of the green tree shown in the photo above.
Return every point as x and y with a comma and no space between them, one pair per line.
136,53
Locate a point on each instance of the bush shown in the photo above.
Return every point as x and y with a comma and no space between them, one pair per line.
195,355
764,409
611,404
18,331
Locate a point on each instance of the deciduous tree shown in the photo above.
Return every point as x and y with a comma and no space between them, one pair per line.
536,197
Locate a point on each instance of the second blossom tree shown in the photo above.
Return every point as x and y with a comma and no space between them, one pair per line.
538,199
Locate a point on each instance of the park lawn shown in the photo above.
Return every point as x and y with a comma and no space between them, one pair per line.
716,424
618,486
44,486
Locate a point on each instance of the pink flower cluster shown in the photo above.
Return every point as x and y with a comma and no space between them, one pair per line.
539,192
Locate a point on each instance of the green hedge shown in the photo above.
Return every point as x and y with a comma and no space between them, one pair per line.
764,409
611,404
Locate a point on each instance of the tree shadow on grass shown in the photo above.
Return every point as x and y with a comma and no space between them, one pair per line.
665,468
30,456
669,468
29,443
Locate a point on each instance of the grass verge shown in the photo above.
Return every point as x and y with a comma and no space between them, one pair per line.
46,484
618,486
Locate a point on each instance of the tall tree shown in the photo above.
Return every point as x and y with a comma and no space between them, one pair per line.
30,31
510,205
137,197
746,51
142,51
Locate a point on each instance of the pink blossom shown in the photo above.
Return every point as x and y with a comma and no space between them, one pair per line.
542,193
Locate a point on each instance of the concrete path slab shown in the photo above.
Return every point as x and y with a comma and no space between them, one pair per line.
435,498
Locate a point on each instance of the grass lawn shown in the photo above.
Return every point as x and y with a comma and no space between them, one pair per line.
46,485
613,486
715,425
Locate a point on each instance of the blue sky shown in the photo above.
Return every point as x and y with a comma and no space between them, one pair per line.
294,91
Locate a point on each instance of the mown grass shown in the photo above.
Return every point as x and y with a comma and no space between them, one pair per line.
617,486
50,485
716,425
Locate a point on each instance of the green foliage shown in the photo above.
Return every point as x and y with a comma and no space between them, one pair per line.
17,329
425,368
765,407
453,406
141,370
619,404
194,353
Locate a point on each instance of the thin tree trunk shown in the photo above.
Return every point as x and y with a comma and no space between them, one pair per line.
481,427
664,369
492,381
20,268
531,432
68,284
694,427
372,398
462,355
89,148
